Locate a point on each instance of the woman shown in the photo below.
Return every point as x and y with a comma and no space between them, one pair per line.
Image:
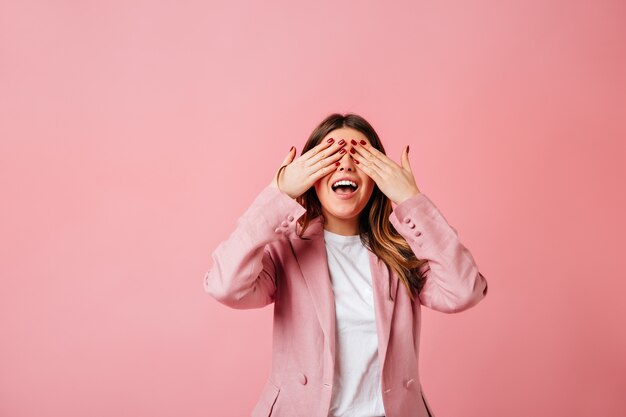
324,244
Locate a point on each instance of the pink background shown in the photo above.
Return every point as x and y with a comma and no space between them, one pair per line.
134,133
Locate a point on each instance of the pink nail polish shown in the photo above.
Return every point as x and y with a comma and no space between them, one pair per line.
330,140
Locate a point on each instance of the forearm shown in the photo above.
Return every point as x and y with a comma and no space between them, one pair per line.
453,281
243,274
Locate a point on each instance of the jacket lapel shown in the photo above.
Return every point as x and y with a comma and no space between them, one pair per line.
383,306
313,261
312,258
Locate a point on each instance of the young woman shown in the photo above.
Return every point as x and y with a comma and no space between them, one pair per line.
347,273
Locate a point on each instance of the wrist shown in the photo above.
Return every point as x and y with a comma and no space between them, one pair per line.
275,185
408,196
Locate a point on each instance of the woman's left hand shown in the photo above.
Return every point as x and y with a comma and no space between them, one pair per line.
395,181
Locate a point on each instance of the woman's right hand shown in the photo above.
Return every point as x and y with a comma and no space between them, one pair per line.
300,174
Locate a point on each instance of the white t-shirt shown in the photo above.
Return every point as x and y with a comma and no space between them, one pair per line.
356,388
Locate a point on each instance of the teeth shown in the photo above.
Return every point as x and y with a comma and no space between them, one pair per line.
344,182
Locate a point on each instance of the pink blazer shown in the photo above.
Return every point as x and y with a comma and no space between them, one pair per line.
263,261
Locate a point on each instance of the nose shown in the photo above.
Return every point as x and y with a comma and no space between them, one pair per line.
346,163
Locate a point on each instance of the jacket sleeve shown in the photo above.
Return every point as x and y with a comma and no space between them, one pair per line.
243,274
453,282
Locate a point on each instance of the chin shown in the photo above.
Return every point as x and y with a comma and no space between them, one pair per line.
344,215
344,212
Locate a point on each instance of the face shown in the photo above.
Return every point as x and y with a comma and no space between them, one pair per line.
339,205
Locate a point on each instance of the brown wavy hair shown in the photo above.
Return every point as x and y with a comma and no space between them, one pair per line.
376,231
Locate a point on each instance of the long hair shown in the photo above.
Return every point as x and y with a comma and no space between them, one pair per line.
375,230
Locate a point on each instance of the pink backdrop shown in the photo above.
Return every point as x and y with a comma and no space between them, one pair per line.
134,133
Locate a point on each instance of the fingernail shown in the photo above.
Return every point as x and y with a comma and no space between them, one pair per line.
407,148
342,142
342,151
357,161
291,148
337,163
363,142
353,142
330,140
352,150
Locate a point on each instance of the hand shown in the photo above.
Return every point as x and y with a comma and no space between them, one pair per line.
395,181
300,174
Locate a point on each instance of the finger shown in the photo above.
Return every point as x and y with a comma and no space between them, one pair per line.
318,148
368,170
327,165
286,161
367,157
406,164
378,154
290,156
325,153
322,172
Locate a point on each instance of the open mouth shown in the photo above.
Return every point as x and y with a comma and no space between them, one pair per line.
344,187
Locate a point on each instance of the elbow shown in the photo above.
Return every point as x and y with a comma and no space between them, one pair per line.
236,299
472,296
220,293
456,296
212,287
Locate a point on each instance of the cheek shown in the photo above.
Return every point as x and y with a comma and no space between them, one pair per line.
368,184
320,190
322,184
368,190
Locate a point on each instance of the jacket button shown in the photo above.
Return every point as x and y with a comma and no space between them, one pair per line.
290,218
418,233
284,224
302,379
407,220
412,226
408,383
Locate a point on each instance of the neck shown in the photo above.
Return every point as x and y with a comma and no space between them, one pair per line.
344,227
